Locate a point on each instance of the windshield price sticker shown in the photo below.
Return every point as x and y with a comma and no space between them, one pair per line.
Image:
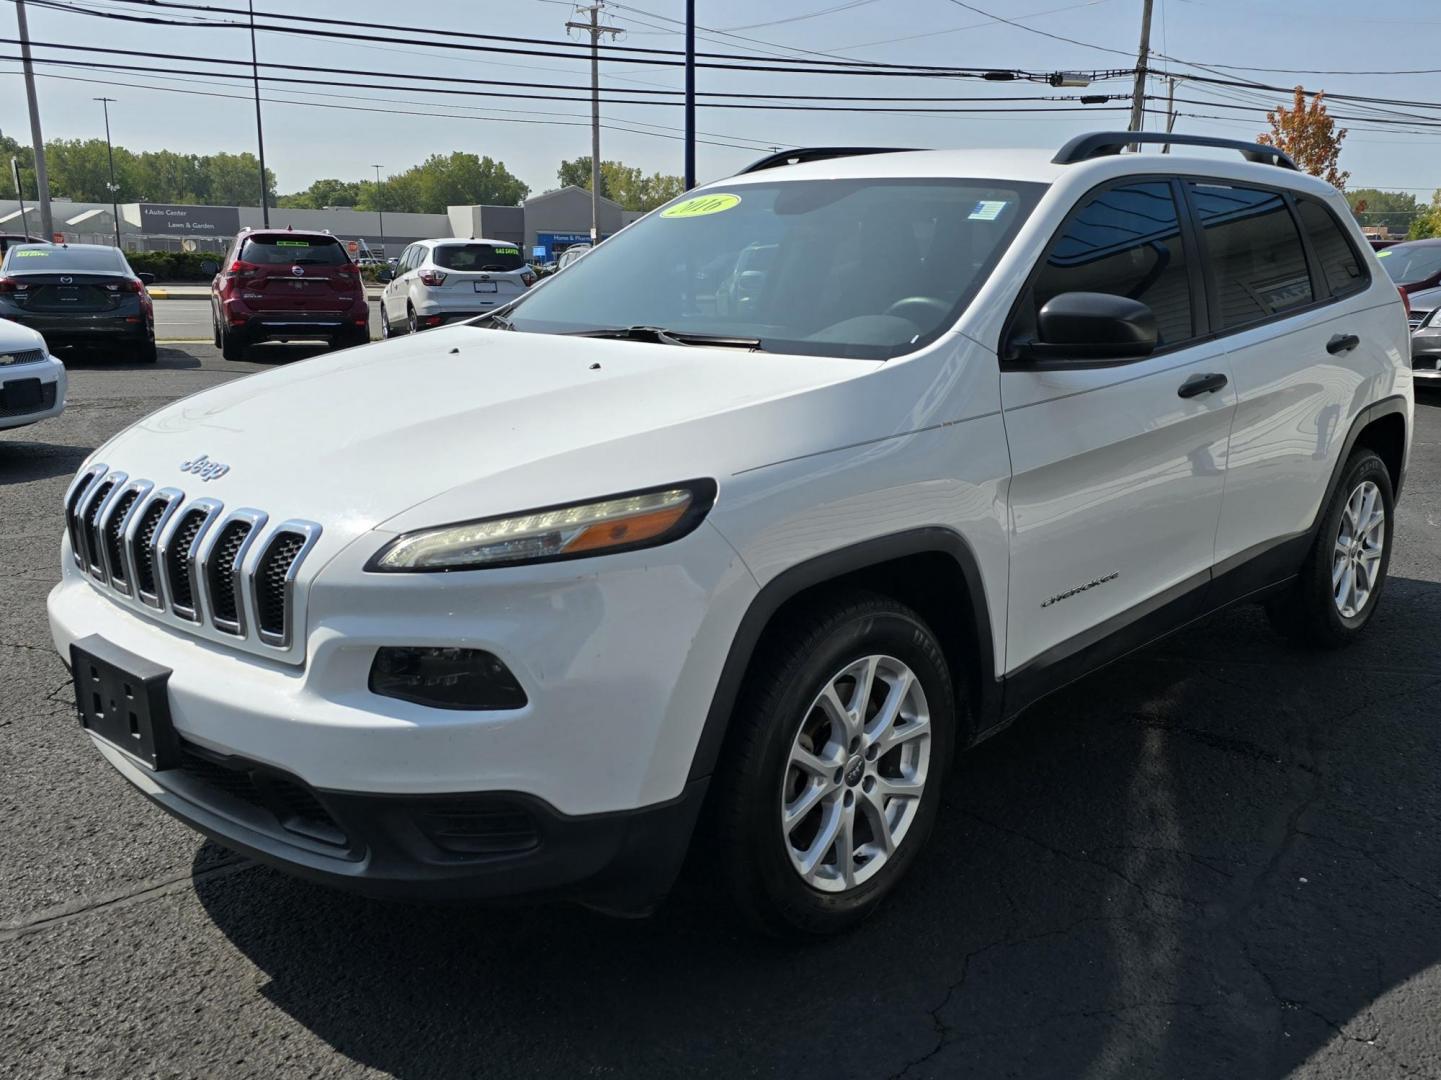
292,243
987,210
1379,254
31,254
702,205
507,251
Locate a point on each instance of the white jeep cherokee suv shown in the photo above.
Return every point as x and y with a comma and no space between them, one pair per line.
500,609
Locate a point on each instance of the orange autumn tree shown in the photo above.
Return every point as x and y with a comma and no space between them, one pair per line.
1307,132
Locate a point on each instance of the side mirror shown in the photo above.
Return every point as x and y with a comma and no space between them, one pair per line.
1087,327
385,274
209,266
146,278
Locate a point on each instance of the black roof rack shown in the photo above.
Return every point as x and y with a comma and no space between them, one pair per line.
1101,143
817,153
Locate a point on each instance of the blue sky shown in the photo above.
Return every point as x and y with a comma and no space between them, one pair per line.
304,142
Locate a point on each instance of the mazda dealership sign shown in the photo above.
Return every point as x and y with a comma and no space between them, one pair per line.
187,220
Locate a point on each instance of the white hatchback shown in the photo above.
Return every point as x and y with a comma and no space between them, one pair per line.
510,607
441,281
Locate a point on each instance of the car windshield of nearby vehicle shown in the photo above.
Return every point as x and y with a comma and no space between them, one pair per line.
462,257
1411,262
48,258
293,251
863,268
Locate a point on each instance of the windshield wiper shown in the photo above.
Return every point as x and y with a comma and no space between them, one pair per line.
496,319
661,336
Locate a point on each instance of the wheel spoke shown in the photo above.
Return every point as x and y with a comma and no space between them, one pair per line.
846,845
860,700
831,703
890,710
873,805
1343,594
811,763
898,787
825,839
807,801
1342,562
902,734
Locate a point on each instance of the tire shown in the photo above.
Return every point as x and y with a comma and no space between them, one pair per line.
231,347
385,331
145,352
781,718
1315,612
412,322
215,328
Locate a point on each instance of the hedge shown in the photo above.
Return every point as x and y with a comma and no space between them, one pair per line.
174,265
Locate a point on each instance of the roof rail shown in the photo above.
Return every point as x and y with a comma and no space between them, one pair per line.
1102,143
817,153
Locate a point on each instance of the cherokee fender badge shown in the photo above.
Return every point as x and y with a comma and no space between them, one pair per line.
1080,589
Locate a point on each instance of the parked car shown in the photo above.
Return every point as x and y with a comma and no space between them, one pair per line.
1426,344
9,240
79,295
287,285
572,254
500,609
32,382
441,281
1415,265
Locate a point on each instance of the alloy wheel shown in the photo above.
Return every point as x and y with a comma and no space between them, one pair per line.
856,773
1360,543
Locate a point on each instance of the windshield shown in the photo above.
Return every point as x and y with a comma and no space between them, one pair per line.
1411,262
293,251
865,268
47,258
477,257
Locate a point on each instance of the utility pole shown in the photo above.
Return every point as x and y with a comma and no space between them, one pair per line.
689,94
1170,111
380,207
1143,57
110,153
260,131
594,29
42,179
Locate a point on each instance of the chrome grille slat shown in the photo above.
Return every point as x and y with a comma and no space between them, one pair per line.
223,574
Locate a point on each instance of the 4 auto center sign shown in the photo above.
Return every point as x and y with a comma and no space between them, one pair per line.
187,220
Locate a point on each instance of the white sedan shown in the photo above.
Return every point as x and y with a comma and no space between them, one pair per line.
32,382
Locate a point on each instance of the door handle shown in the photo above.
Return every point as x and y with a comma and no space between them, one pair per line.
1342,343
1202,384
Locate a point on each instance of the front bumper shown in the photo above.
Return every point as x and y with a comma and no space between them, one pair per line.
1426,356
444,847
50,373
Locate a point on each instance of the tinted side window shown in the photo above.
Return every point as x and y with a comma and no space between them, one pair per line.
1340,265
1126,241
1255,252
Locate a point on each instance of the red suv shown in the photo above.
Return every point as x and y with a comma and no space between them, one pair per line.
287,285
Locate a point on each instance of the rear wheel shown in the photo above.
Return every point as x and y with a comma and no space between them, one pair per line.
215,328
145,352
842,736
1340,583
412,321
385,330
231,347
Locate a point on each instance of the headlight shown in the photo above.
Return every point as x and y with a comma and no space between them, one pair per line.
617,523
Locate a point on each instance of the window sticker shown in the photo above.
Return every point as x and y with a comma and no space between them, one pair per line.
292,243
507,251
987,210
702,205
1384,254
31,254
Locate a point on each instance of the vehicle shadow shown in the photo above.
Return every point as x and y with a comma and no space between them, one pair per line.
1212,859
272,353
108,360
22,461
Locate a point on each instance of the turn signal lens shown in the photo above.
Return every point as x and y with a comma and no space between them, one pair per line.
621,523
431,277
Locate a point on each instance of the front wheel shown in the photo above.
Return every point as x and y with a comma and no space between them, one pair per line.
1340,583
833,777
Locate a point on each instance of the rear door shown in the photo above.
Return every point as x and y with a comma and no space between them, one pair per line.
393,296
482,273
296,273
1116,476
1307,338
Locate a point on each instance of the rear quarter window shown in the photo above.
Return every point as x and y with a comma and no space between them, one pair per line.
1341,265
498,257
1256,252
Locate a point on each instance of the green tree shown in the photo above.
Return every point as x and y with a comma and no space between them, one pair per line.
1428,222
233,180
442,180
324,193
626,184
1394,209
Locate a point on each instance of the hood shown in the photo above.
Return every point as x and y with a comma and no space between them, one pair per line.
353,438
16,338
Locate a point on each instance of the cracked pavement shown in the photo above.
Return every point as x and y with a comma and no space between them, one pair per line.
1218,858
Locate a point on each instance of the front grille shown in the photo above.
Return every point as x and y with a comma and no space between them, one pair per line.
183,559
275,800
1415,318
271,580
221,573
25,356
145,547
93,556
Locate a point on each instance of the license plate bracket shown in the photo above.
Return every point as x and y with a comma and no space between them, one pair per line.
21,394
486,286
122,699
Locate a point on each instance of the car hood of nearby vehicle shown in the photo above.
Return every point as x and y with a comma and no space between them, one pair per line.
17,338
494,421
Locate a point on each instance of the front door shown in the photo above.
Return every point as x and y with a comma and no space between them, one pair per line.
1116,476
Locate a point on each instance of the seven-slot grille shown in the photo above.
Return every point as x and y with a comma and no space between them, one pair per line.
188,558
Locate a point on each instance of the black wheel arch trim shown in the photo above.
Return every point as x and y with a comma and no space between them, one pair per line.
831,566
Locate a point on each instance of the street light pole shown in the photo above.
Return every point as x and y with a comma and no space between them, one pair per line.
689,94
380,206
110,153
594,29
42,180
259,129
1143,57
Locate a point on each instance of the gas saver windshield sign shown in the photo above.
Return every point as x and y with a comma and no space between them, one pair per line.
190,220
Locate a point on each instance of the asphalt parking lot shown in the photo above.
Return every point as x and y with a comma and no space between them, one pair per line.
1219,858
